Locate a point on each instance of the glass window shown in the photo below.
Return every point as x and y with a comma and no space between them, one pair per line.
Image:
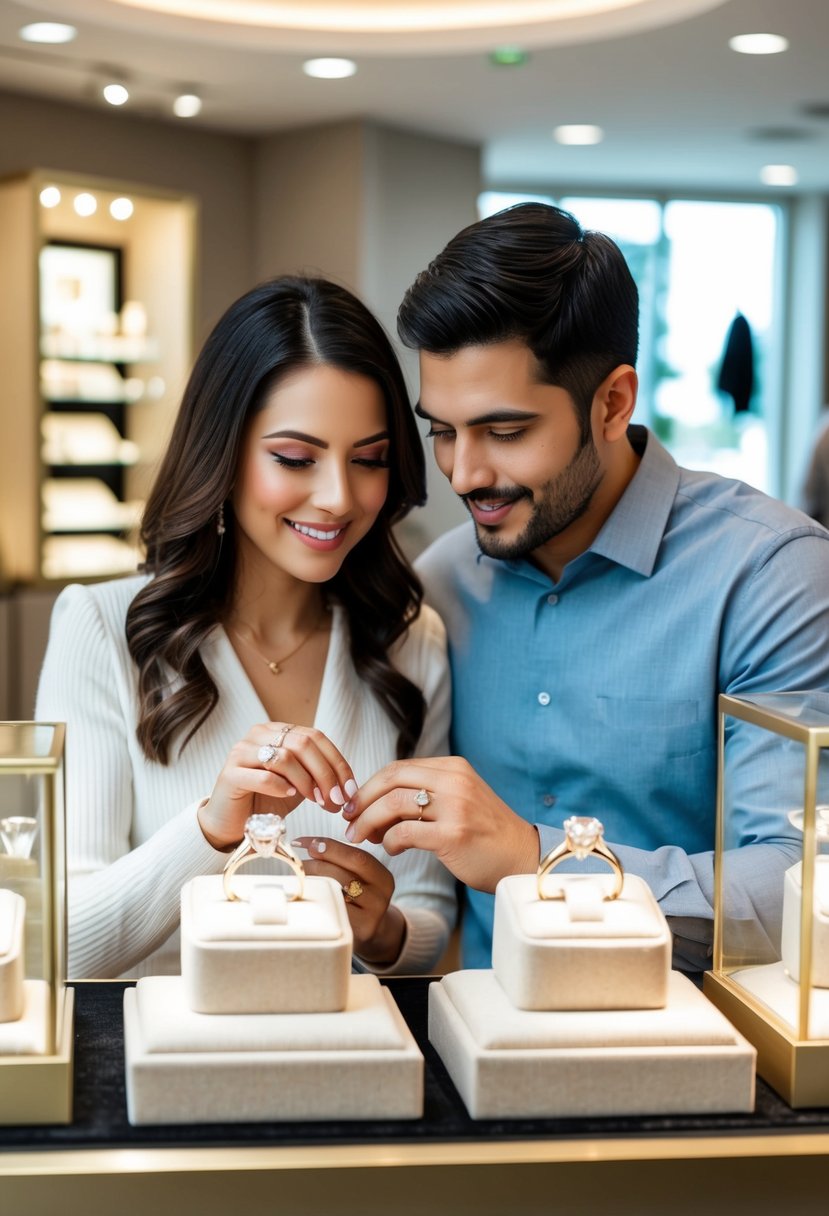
698,264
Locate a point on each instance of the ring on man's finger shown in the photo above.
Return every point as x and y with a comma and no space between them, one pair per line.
422,799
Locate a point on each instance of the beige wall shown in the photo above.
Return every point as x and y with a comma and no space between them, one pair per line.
216,169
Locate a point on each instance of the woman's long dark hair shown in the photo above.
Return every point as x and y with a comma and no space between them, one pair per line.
282,325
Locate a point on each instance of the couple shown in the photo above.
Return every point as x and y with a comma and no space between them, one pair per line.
595,606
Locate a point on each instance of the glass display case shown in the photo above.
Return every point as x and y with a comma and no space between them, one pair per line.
771,941
36,1007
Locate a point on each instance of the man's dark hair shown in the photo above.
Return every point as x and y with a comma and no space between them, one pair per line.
530,272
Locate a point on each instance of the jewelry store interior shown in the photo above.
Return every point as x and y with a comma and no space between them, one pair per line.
158,161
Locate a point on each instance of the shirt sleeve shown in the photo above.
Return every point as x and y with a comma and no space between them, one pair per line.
774,639
123,901
425,891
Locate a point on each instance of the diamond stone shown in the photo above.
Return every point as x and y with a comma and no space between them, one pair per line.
18,834
422,798
265,832
583,833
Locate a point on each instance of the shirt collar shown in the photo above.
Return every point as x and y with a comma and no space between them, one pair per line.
633,532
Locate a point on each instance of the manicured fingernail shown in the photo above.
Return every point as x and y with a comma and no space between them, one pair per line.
337,795
318,796
351,787
319,845
289,791
349,832
349,809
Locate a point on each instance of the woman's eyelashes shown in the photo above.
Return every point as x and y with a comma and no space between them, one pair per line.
380,461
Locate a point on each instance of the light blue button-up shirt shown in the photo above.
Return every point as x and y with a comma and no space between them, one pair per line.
597,695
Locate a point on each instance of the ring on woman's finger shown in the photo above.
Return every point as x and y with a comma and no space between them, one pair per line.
353,890
270,751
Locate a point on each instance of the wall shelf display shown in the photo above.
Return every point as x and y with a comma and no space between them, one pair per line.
36,1007
772,980
96,345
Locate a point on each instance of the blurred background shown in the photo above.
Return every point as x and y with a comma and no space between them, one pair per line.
221,143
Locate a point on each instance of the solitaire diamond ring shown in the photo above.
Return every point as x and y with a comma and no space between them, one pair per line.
264,837
270,751
583,836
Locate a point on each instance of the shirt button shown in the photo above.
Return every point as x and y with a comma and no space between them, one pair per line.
552,600
543,698
549,799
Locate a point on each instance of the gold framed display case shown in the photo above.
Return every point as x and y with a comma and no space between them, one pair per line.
96,340
36,1007
773,982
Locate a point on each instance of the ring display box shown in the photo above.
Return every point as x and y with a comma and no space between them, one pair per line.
233,961
774,984
36,1007
266,1021
579,952
600,1051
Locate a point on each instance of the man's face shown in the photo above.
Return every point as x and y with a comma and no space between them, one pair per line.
510,446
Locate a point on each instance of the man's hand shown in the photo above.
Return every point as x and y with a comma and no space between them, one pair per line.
465,824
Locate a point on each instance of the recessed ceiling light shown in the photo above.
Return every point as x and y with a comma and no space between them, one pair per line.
188,105
508,57
47,31
329,69
121,208
49,196
578,133
116,94
85,204
759,44
779,175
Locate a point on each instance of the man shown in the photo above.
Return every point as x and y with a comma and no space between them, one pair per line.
598,602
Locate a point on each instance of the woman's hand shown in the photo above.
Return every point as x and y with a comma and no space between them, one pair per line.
303,763
378,927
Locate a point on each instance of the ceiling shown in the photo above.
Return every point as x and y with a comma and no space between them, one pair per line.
679,108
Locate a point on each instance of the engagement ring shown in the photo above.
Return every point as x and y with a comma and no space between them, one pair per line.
264,837
583,835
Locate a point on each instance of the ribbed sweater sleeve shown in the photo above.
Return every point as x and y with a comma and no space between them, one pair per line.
130,889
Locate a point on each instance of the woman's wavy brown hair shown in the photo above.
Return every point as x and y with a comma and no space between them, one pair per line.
279,326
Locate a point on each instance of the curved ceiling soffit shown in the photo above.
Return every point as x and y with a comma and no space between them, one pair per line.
381,27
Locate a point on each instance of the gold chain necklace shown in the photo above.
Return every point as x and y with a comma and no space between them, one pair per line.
274,665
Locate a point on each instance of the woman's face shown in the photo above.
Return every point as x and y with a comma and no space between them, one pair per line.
313,472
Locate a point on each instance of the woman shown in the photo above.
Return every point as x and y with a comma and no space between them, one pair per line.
273,655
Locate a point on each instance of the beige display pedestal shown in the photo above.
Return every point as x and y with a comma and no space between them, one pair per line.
510,1062
276,1058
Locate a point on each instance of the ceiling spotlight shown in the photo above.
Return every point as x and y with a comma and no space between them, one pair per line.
578,133
47,31
759,44
121,208
508,57
188,105
329,69
779,175
85,204
116,94
49,196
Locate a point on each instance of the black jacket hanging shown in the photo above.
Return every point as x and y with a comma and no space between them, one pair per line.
736,375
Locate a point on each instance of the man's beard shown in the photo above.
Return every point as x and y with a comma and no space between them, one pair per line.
559,503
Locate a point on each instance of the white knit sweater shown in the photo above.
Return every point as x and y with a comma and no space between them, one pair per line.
133,839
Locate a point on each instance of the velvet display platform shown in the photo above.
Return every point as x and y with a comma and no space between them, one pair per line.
100,1118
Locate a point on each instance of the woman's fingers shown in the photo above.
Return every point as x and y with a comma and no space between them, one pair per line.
309,759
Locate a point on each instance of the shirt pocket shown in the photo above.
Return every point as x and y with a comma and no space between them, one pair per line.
676,727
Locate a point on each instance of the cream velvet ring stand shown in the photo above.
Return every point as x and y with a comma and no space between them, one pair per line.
24,1004
266,1021
581,1014
777,985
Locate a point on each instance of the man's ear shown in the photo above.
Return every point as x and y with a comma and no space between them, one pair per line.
616,399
